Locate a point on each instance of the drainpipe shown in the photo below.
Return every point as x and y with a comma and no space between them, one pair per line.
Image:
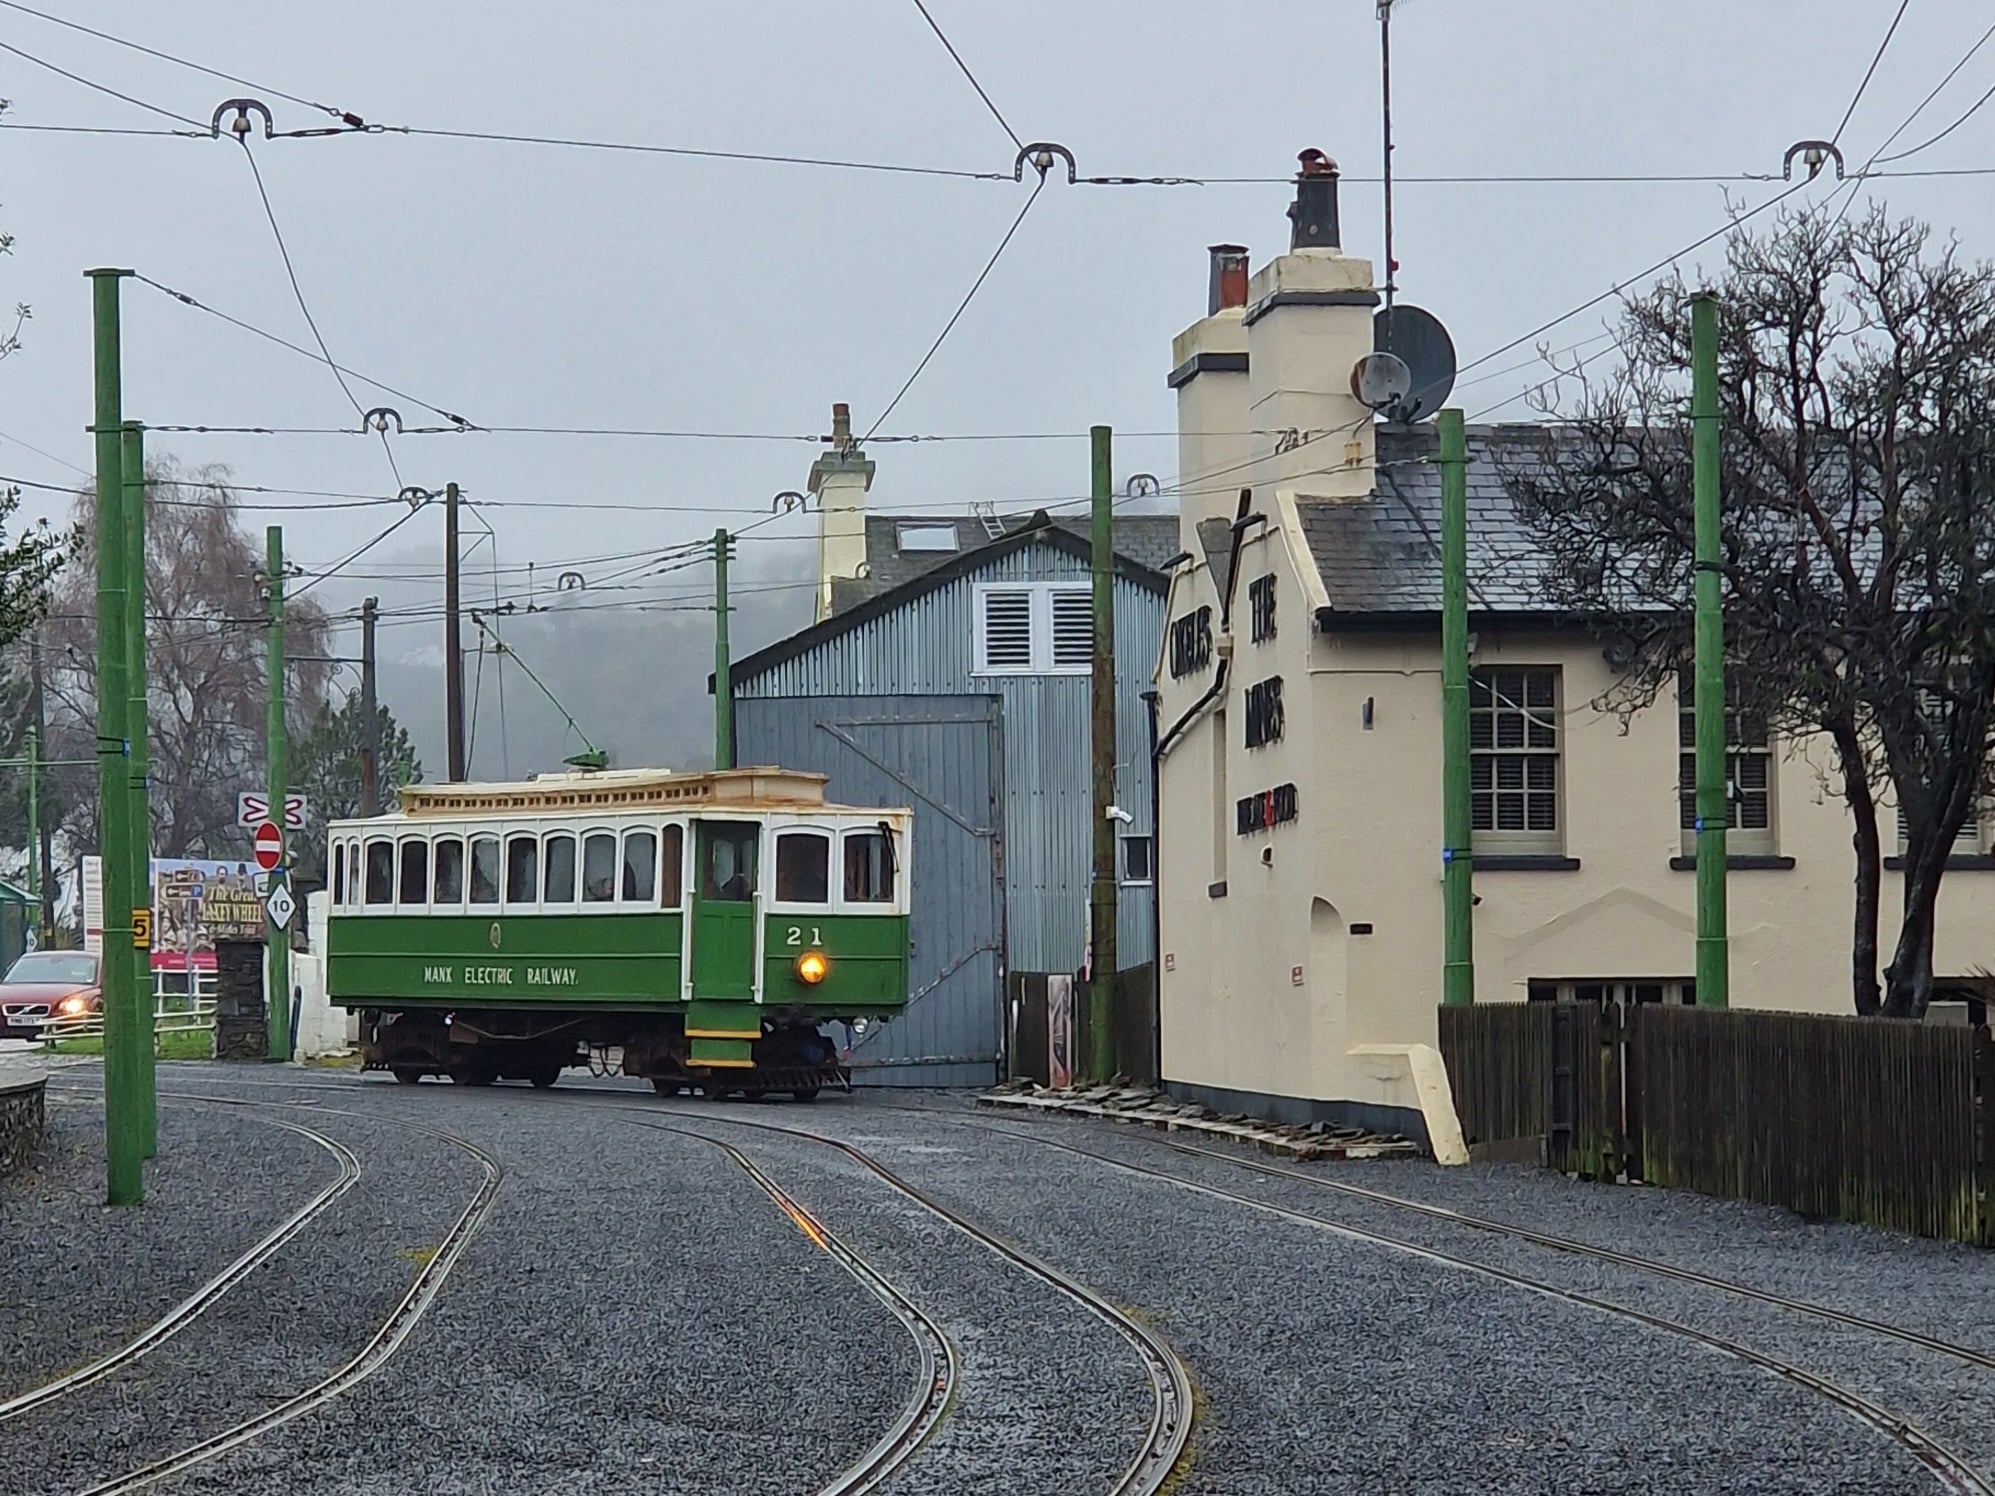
1152,700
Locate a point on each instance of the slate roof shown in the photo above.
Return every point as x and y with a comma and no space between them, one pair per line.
1382,555
1148,540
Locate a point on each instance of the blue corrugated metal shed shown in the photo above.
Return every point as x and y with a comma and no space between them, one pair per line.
918,638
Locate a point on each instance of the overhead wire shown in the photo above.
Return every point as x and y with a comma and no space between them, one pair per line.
102,88
996,113
1870,72
167,56
639,148
1973,109
962,307
1938,88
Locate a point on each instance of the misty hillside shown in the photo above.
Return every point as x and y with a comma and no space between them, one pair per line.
631,666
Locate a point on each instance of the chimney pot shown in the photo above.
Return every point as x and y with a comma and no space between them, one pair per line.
841,426
1313,214
1229,277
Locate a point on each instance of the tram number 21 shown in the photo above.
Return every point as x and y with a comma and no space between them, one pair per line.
797,935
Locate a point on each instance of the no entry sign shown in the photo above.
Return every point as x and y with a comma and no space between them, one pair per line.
269,847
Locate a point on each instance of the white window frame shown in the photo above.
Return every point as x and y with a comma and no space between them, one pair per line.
388,840
1122,851
429,872
897,904
582,900
1739,841
1039,627
624,834
1524,842
685,830
1972,840
569,905
463,840
834,867
470,835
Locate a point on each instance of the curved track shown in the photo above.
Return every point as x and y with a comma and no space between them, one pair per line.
936,1370
188,1309
1951,1470
380,1347
1170,1383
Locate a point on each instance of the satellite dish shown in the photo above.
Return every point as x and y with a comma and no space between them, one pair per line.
1422,343
1381,381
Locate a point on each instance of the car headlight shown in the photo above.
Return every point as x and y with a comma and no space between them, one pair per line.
813,967
72,1005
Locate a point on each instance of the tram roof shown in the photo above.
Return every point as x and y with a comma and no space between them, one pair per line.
622,790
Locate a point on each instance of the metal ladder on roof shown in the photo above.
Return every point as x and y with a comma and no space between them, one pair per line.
986,511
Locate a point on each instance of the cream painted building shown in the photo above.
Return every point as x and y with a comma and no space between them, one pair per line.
1300,746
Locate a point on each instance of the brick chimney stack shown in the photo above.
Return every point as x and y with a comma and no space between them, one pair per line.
1209,372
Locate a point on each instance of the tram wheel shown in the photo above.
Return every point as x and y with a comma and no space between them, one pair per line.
545,1077
406,1075
665,1086
806,1093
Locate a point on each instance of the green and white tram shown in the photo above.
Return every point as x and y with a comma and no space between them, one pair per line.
703,925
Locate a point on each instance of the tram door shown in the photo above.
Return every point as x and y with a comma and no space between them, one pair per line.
724,909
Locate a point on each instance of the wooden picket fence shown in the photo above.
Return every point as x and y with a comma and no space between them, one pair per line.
1890,1124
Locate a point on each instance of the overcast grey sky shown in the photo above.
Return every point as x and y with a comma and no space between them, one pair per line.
539,286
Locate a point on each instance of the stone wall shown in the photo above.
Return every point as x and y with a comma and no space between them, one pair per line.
241,1030
22,1120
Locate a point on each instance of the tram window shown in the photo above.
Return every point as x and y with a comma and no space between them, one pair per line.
727,871
352,873
485,870
380,872
522,868
415,873
557,877
671,859
869,868
449,885
599,867
339,875
803,868
640,865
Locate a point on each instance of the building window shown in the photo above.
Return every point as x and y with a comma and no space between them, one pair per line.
1748,777
1514,758
1034,628
1264,712
1968,840
1137,863
1261,595
1674,992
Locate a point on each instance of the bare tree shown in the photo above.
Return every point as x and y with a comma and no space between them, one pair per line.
207,673
1857,391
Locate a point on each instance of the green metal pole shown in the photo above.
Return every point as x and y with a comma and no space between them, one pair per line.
124,1142
1457,863
1708,700
723,660
1101,887
143,1001
277,1012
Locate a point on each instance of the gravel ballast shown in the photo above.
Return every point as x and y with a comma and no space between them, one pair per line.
1330,1365
82,1278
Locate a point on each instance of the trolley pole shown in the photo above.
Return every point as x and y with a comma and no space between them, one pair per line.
370,723
1102,890
453,643
136,728
723,659
1708,696
1457,864
124,1149
277,1012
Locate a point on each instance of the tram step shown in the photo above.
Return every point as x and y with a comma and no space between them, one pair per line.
723,1020
723,1053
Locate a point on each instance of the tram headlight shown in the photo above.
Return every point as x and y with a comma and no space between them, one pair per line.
813,967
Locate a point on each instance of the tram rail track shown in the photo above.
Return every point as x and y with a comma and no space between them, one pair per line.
1170,1425
380,1347
1952,1471
936,1370
207,1294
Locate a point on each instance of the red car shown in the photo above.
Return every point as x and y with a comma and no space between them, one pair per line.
47,984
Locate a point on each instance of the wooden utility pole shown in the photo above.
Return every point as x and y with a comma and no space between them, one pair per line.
723,660
453,643
1102,890
1708,680
370,716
